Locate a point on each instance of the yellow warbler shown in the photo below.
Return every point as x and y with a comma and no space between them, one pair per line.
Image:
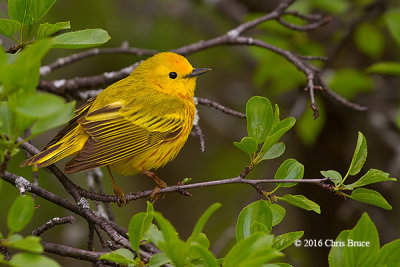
135,125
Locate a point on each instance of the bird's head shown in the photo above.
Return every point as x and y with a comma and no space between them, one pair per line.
170,73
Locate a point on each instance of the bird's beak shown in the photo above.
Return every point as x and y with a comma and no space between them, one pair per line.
197,72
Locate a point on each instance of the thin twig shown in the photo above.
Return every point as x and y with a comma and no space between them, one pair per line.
6,254
308,27
51,223
81,254
177,188
340,99
320,58
91,181
310,17
103,240
200,136
218,106
90,242
98,175
123,49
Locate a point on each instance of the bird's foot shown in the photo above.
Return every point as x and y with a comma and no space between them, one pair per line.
121,196
160,184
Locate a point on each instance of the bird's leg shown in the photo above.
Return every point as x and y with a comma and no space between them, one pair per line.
117,190
160,183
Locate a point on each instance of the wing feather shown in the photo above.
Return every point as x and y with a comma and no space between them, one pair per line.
118,131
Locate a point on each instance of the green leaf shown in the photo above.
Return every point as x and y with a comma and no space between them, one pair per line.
283,241
15,238
3,60
390,68
371,197
9,27
257,211
158,259
200,239
308,129
20,10
277,264
121,256
332,7
34,53
371,177
32,260
290,169
208,259
259,227
154,235
364,254
176,250
204,218
248,145
389,254
335,177
40,105
81,39
369,39
47,29
6,119
335,256
276,133
275,151
301,202
349,82
276,115
30,244
54,120
259,118
138,226
278,212
254,250
39,8
168,231
393,23
20,213
26,66
360,155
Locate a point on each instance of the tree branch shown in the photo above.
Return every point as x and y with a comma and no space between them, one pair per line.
80,254
218,106
232,37
51,223
123,49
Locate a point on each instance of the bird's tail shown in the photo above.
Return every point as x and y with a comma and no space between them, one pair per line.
68,145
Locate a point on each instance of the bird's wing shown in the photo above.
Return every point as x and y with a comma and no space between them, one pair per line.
117,131
79,113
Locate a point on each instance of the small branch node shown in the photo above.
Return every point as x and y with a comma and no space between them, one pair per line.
83,203
182,191
23,185
233,33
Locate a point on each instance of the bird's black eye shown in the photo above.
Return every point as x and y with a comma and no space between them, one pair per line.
173,75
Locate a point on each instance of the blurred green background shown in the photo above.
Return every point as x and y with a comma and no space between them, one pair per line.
356,38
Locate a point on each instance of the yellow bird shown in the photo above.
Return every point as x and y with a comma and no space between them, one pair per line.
137,124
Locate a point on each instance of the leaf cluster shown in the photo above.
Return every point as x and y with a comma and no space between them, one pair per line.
19,215
21,107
